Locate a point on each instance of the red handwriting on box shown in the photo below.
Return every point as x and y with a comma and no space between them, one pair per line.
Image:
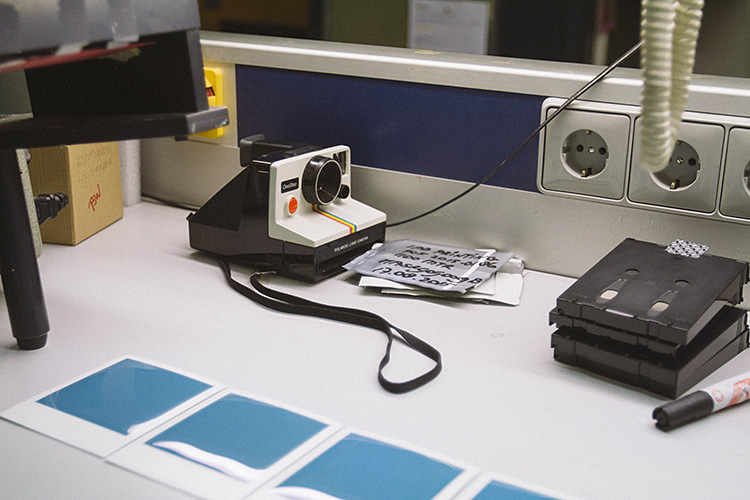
94,199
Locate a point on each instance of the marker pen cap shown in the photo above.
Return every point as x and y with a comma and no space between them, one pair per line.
684,410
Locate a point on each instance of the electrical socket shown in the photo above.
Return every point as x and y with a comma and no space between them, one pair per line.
584,150
735,192
690,180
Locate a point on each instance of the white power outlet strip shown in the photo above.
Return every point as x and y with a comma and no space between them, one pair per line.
707,176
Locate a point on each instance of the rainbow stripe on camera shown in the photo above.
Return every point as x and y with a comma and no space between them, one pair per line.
352,227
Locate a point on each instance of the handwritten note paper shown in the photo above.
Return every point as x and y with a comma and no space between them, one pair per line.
428,265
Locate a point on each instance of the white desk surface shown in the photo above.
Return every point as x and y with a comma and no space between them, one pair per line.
501,404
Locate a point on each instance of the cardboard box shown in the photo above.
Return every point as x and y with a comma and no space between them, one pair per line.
90,175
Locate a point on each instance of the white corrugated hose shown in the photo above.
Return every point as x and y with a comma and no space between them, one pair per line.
669,30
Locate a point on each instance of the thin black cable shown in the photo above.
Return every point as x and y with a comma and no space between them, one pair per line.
531,136
166,202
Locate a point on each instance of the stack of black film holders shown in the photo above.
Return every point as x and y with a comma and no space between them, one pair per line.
660,318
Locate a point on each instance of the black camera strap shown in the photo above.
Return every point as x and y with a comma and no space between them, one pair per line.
279,301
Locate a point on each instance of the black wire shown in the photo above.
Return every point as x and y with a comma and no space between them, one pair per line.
164,201
531,136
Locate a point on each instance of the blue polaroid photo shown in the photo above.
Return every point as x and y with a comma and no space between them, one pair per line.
502,491
105,409
225,447
359,467
491,487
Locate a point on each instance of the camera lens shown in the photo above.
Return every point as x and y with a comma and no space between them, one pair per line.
321,180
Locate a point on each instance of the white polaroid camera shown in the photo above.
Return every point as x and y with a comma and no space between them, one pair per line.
290,210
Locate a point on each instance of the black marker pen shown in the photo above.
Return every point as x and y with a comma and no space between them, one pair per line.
702,403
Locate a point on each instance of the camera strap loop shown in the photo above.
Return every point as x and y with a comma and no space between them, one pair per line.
279,301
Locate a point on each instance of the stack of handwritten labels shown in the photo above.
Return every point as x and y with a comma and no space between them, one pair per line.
417,268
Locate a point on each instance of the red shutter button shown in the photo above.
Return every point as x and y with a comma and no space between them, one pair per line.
292,206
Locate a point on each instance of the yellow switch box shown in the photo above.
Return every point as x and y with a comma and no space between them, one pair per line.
215,92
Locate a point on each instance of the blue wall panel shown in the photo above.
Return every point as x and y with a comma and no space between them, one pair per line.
434,130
